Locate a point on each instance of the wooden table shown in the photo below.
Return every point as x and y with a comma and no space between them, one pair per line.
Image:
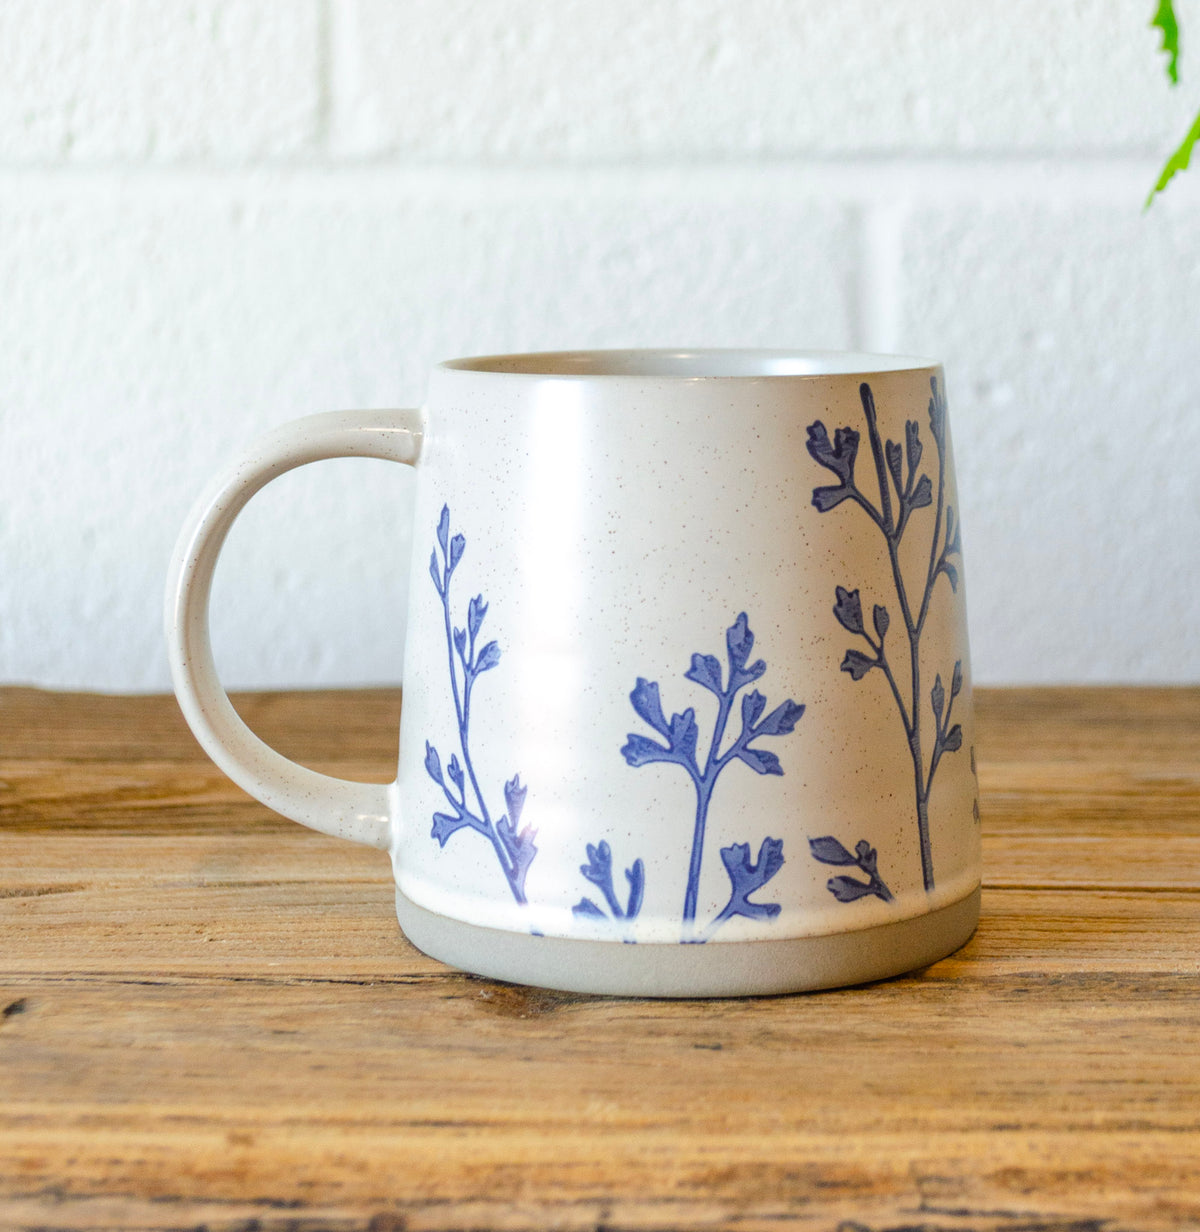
209,1019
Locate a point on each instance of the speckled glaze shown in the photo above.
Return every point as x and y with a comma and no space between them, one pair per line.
637,752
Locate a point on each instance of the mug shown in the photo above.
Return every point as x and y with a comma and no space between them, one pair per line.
687,700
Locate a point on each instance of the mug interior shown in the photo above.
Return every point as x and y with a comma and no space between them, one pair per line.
690,363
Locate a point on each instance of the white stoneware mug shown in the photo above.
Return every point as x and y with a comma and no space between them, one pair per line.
687,702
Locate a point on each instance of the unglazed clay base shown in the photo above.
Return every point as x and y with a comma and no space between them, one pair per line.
739,969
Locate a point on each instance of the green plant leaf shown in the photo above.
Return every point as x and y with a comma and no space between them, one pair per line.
1177,162
1164,19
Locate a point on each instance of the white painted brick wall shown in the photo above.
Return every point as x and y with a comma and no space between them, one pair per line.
587,80
87,81
216,216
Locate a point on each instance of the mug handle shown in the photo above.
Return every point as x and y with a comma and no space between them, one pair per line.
342,807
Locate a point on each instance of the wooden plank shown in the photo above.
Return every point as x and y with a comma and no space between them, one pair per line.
329,724
1024,1094
210,1019
214,900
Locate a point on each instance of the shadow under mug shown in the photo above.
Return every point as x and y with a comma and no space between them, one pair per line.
687,700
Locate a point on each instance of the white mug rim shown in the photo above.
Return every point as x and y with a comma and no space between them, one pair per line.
689,363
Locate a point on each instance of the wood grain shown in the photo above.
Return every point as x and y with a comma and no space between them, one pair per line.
208,1017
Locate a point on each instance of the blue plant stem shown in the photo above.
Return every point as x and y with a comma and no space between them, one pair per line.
610,897
943,728
703,796
924,787
714,924
912,628
462,711
705,783
885,496
881,656
934,561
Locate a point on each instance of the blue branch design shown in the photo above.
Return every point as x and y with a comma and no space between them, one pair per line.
599,871
897,470
681,736
864,857
745,877
514,847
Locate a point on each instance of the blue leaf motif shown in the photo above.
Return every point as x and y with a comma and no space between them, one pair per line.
443,528
912,440
445,825
848,610
762,761
706,670
746,877
954,738
476,611
922,494
641,751
826,498
648,705
434,571
684,734
828,850
460,643
741,677
937,412
598,868
782,720
433,764
489,656
895,460
455,771
838,457
753,705
739,641
937,696
882,620
514,797
457,544
636,876
585,907
847,889
857,664
521,850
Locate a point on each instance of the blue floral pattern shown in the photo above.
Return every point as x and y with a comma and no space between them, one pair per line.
677,743
897,473
599,871
514,846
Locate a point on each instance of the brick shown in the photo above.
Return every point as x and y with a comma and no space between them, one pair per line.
1069,334
133,80
680,79
152,327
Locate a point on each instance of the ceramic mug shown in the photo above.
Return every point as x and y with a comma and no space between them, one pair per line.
687,702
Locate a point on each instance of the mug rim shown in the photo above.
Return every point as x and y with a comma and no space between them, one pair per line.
690,363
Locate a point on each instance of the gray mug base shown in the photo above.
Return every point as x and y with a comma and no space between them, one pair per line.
718,969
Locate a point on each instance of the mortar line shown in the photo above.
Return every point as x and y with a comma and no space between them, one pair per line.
858,182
